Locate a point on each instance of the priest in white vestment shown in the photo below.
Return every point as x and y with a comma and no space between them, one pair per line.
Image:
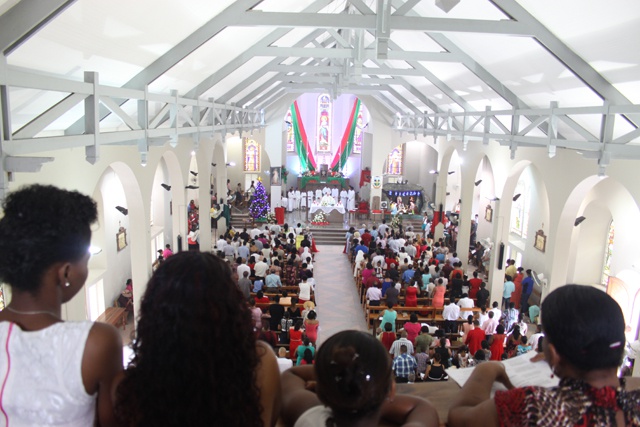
351,195
334,193
344,197
290,201
309,198
297,196
318,194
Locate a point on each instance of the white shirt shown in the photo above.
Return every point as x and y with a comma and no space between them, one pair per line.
465,303
261,268
489,327
533,341
220,244
395,347
497,313
451,312
305,291
241,269
374,294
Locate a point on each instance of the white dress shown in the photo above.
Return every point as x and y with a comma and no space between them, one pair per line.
352,200
43,374
297,197
290,200
314,417
344,197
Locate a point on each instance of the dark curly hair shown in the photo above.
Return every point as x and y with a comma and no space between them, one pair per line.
354,374
42,225
195,354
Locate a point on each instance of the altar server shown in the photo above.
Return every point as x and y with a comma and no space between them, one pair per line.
352,199
297,196
344,197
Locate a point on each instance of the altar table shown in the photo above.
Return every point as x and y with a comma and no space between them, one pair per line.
333,213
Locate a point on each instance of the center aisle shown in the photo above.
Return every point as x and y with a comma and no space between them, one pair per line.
339,306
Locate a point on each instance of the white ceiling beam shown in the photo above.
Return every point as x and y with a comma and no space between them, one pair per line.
25,19
240,86
406,7
341,53
304,69
248,54
568,57
258,18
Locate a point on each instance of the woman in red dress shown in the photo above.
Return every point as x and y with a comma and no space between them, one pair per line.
411,296
497,344
295,340
311,326
516,295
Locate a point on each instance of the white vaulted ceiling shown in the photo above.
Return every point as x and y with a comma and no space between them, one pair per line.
415,59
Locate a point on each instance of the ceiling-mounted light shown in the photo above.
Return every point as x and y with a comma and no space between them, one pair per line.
123,211
213,164
231,163
478,182
193,173
166,187
191,187
516,197
494,199
579,221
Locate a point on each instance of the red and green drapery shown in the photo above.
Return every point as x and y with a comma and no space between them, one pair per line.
346,145
307,162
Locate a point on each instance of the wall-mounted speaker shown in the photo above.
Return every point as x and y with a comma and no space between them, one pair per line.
501,256
384,204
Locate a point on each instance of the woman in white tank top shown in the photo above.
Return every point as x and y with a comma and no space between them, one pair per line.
51,372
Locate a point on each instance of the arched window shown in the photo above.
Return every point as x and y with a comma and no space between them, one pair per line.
608,254
520,208
251,155
395,161
291,143
359,135
324,123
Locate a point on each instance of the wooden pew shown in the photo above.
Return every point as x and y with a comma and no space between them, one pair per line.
115,316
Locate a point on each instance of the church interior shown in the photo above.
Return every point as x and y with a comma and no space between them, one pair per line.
517,118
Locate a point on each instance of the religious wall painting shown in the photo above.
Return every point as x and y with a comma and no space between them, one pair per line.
324,123
488,214
395,164
540,242
251,155
291,142
359,135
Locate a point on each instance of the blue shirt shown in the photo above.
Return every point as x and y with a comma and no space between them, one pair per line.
273,281
362,248
509,287
257,285
527,285
403,365
408,275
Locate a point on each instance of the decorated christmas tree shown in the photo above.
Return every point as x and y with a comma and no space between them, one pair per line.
259,205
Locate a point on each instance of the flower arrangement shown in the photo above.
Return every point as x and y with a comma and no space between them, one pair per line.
396,222
320,219
328,201
271,218
285,174
310,173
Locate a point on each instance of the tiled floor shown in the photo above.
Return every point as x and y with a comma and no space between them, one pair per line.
338,303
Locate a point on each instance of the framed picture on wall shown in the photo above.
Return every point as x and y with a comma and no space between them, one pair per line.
276,176
540,242
121,238
488,213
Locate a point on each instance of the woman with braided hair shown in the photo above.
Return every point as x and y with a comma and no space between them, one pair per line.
351,384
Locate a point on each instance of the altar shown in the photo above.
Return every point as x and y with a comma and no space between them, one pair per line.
334,214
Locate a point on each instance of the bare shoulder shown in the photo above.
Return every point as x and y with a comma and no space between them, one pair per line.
102,358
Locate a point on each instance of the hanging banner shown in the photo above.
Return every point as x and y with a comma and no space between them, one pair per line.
307,162
346,145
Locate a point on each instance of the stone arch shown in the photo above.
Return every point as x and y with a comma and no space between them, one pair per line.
128,193
596,197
